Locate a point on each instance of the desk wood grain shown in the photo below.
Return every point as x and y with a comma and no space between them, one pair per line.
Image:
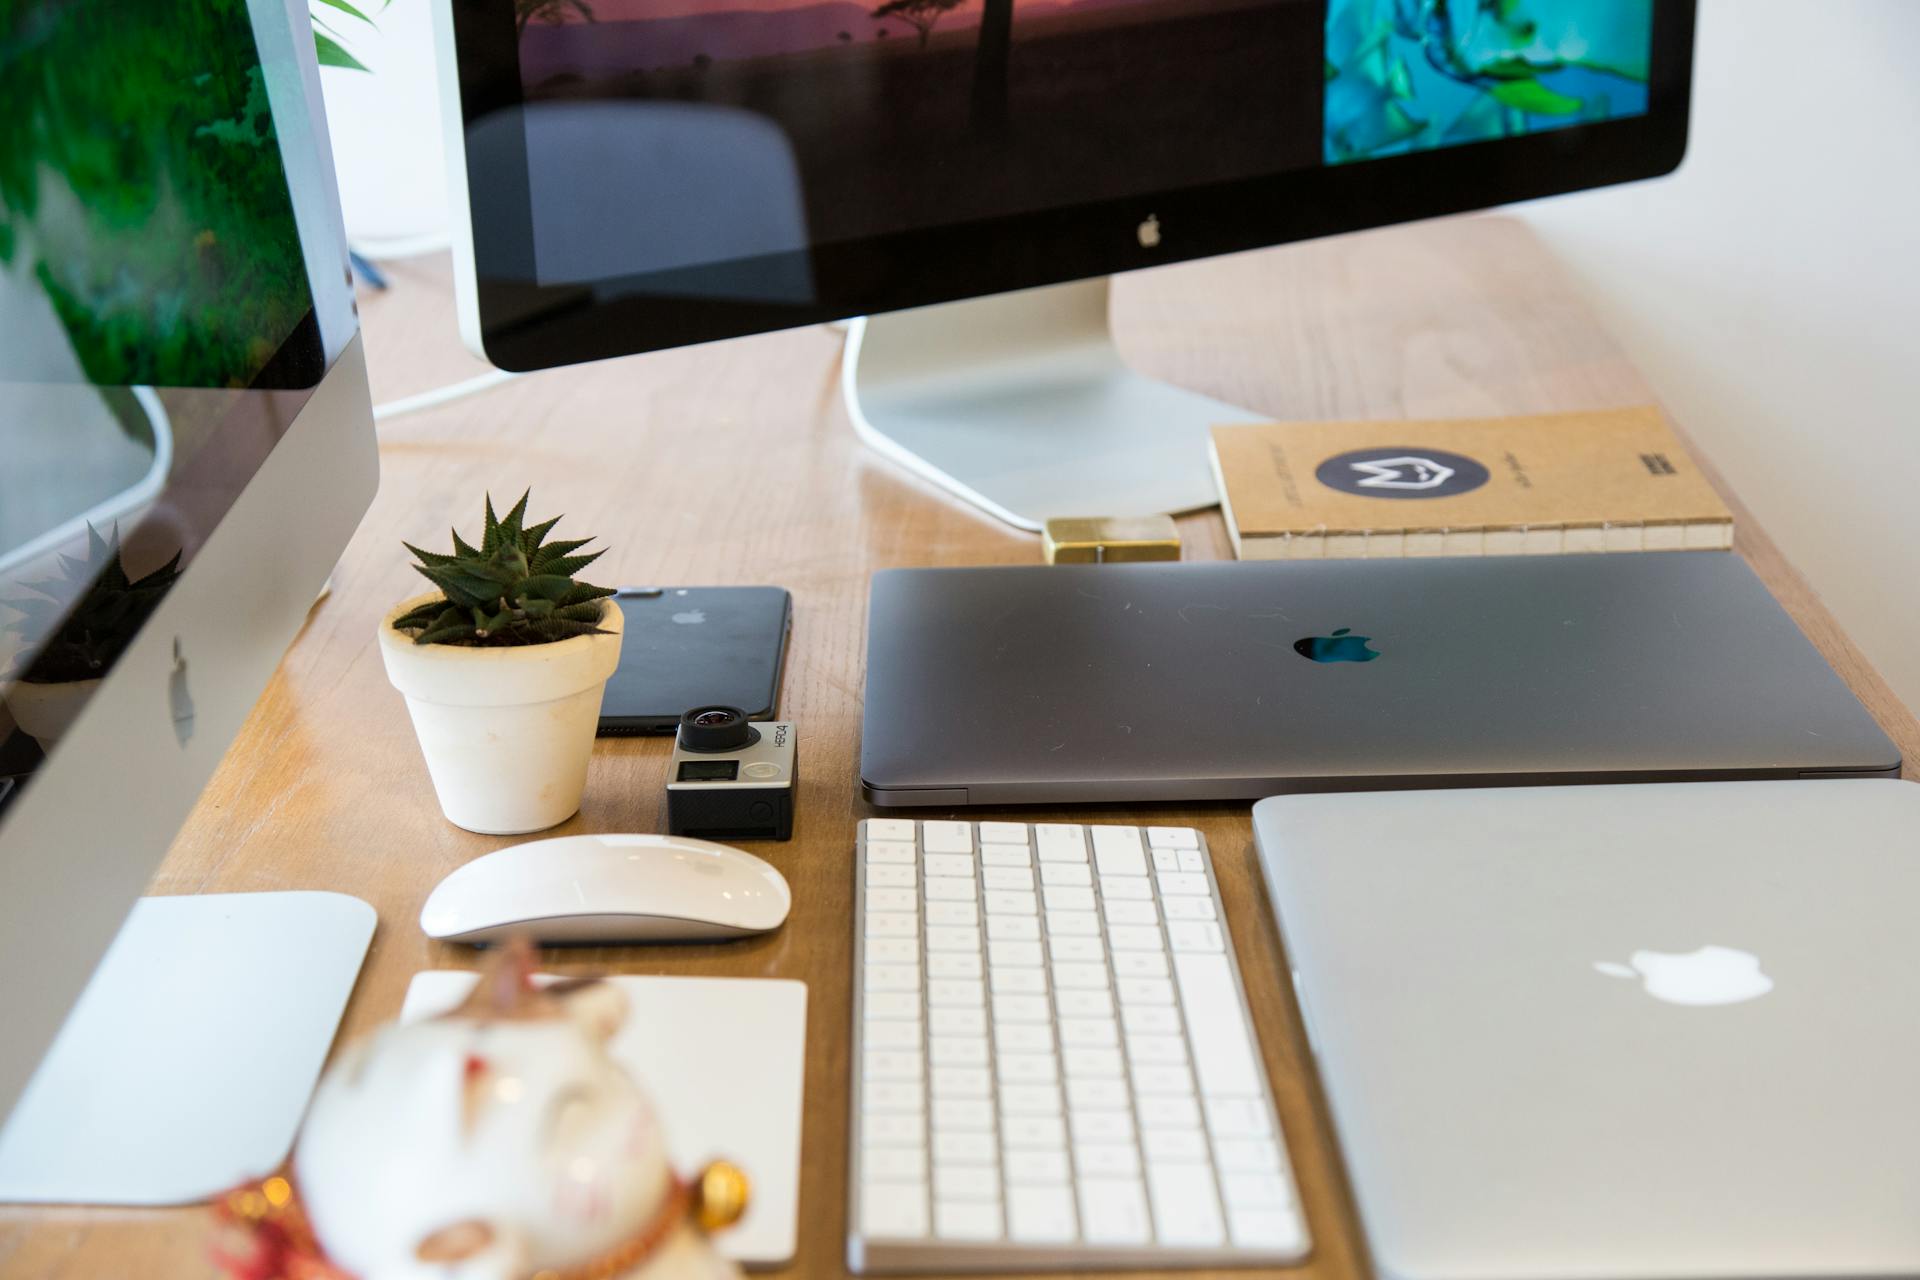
734,463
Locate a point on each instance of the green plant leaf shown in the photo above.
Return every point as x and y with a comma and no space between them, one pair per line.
346,8
1534,98
332,54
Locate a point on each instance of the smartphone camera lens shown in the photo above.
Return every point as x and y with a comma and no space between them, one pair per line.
715,729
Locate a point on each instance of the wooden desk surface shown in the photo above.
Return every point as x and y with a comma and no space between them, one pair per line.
734,463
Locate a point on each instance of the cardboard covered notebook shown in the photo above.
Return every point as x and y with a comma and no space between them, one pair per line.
1613,480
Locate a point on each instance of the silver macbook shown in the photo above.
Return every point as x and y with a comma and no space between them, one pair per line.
1049,684
1640,1033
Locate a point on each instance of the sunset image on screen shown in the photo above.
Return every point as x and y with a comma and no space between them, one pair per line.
921,113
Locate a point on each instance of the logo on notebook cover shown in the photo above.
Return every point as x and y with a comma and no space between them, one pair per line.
1341,646
1401,472
1710,975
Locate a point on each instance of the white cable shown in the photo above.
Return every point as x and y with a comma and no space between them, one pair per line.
441,395
385,249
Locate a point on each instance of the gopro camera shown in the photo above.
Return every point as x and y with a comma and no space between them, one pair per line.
730,778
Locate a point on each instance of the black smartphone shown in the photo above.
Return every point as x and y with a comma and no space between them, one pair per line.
688,647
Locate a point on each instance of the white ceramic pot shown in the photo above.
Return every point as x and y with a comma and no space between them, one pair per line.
44,712
506,732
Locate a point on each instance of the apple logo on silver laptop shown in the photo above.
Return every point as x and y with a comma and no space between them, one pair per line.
690,617
1710,975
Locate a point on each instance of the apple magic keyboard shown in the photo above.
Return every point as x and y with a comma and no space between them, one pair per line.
1053,1065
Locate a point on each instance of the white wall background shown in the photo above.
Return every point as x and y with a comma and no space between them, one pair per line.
1770,291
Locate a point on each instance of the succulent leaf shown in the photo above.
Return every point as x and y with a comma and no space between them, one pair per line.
78,625
515,588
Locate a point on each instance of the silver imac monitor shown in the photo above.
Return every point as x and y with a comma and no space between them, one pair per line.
961,177
186,443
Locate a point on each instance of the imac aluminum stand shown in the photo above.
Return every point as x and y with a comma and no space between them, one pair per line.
1020,404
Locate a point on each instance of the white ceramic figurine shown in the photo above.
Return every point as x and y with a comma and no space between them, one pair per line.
497,1142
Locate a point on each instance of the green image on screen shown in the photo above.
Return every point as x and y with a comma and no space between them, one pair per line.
1410,75
142,192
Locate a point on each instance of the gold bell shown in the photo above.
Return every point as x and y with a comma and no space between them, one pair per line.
720,1196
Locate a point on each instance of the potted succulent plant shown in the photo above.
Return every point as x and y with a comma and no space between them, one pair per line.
503,669
77,627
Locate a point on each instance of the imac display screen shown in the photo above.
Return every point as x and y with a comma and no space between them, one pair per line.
790,159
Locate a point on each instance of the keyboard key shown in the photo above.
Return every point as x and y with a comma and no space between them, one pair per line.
1237,1118
1036,1168
958,1146
1083,1002
1066,875
891,851
953,937
1080,975
966,1182
957,1051
1195,935
1042,1215
1151,1019
946,837
1102,1126
962,1115
1023,1037
954,964
1138,964
1247,1155
1003,833
1113,1211
1029,1100
949,889
951,913
892,924
1013,928
891,1128
893,1035
1062,897
1027,1068
1117,851
893,950
894,1064
1188,909
1090,948
1184,882
1222,1049
1012,902
893,1164
1147,1049
1060,842
889,829
1082,1063
1016,1008
1145,991
962,1082
1005,855
1006,954
889,875
957,1020
948,864
1169,1113
1023,982
1073,923
1191,860
1129,911
1106,1160
1087,1094
1126,888
894,1095
1033,1133
1098,1033
1162,1079
885,900
893,977
891,1004
1165,859
966,1220
960,991
1176,1146
1185,1209
894,1210
1173,837
1134,937
1278,1229
1257,1191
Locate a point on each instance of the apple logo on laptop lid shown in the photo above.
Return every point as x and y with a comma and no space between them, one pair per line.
1341,646
1709,975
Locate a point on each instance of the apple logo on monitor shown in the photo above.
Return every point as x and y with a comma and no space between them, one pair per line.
1149,232
1710,975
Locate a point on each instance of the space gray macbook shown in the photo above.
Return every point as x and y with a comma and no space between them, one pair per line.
1640,1033
1127,683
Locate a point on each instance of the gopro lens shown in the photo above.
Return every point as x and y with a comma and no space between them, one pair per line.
715,729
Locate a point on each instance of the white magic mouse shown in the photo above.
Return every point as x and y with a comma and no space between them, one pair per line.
609,889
